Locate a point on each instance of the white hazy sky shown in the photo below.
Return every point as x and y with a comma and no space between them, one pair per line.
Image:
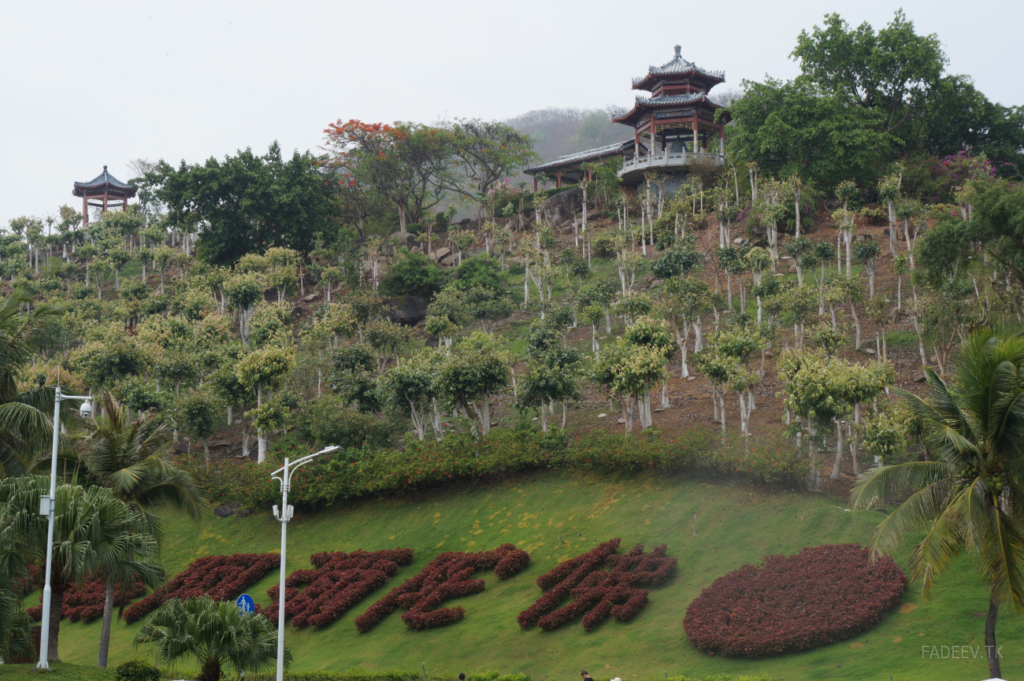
85,84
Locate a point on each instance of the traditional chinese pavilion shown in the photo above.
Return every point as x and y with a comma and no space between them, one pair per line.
674,127
104,191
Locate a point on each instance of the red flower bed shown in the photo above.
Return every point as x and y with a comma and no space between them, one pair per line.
340,581
598,593
803,601
222,578
85,603
445,577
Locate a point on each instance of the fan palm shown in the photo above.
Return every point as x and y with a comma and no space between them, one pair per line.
24,422
970,498
14,622
130,456
212,633
90,526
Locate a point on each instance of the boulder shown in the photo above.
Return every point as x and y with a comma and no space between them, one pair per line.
408,310
311,297
225,510
441,254
407,240
561,206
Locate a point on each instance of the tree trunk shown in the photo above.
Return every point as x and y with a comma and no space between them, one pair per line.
108,613
991,651
56,605
839,450
210,671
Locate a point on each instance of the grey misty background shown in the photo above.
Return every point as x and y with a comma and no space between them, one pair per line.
559,131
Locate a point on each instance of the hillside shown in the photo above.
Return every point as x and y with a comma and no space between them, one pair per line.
712,526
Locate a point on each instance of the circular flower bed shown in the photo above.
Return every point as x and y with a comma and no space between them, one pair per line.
788,603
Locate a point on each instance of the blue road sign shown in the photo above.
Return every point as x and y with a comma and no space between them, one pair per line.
245,603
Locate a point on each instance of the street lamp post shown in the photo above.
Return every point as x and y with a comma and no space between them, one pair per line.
284,514
47,506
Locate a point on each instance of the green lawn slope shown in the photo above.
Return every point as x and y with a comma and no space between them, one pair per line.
712,526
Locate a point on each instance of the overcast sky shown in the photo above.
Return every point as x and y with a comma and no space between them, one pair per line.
87,84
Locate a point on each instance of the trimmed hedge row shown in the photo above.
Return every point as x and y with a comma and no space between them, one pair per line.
598,594
815,597
445,577
222,578
459,459
85,602
363,675
340,581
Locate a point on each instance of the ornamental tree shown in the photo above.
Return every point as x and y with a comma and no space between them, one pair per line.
259,371
866,253
473,373
400,161
412,389
244,291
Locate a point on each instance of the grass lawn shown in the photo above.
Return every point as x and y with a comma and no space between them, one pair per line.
712,526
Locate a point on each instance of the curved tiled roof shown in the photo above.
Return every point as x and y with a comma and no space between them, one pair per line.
677,67
643,103
102,179
581,156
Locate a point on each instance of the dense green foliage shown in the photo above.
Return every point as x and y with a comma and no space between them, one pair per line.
247,202
362,472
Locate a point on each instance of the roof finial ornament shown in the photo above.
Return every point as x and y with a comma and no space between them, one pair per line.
105,168
679,51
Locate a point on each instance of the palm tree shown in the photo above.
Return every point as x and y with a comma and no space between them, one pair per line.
131,456
212,633
90,526
969,498
15,639
119,564
24,422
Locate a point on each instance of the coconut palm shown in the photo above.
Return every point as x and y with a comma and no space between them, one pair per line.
90,527
131,456
970,497
212,633
24,426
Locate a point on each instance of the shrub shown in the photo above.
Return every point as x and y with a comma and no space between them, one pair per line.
412,274
85,602
481,270
815,597
598,593
875,216
603,246
340,581
445,577
326,421
459,458
222,578
136,670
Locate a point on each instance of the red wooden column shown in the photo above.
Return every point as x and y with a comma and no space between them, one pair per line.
104,200
558,182
535,183
696,141
721,140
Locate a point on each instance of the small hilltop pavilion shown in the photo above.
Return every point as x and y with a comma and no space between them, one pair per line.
104,191
674,128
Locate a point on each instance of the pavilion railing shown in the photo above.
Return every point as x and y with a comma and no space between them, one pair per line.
672,159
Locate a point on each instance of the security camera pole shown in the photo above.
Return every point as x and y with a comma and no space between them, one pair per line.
284,514
47,505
